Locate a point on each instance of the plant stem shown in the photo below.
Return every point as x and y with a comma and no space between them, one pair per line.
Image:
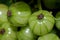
39,4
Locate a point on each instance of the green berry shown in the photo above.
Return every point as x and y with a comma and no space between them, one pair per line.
19,14
6,32
58,20
41,22
3,13
50,36
25,34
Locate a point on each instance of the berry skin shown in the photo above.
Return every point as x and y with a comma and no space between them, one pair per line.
41,22
25,34
58,20
50,36
3,13
6,32
20,13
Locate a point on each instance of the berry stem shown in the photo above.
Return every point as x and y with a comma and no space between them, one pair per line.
2,31
41,16
9,13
